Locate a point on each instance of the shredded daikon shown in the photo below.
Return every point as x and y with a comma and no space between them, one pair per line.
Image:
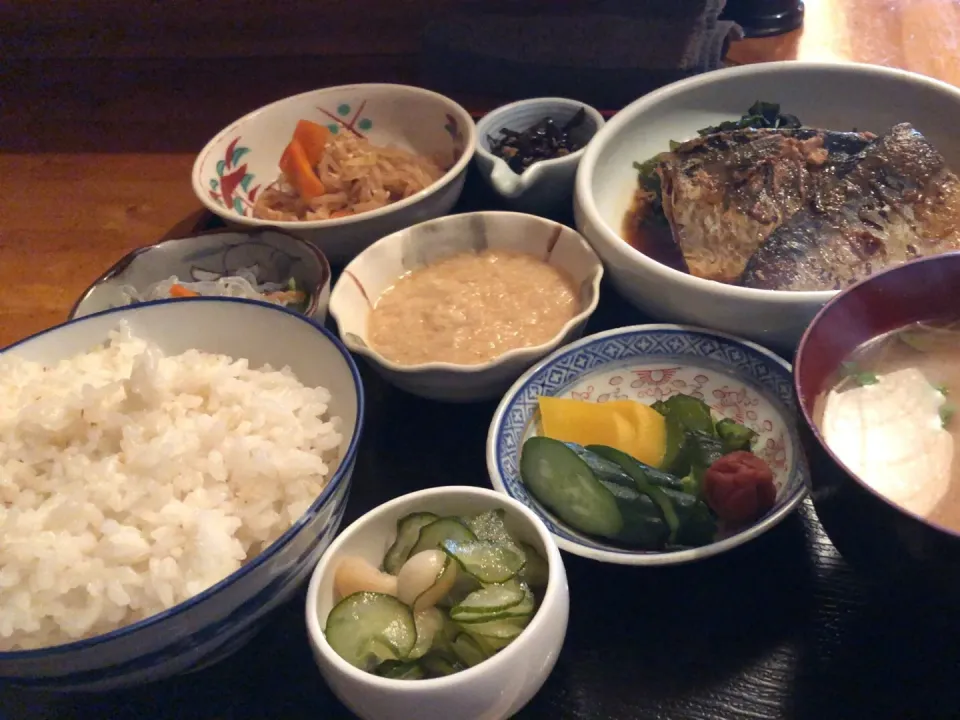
242,285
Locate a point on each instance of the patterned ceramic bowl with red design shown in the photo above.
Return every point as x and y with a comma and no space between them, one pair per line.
736,378
242,159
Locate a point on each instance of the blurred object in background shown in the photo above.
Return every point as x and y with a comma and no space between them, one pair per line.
762,18
604,52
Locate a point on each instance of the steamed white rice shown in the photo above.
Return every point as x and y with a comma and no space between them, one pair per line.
130,481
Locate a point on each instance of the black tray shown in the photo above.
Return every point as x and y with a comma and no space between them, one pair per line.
779,628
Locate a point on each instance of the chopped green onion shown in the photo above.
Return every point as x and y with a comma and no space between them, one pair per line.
911,341
946,414
850,370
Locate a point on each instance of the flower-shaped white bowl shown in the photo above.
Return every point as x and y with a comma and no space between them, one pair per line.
271,255
241,160
546,185
380,266
496,688
647,363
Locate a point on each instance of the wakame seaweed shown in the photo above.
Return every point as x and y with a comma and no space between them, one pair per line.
760,115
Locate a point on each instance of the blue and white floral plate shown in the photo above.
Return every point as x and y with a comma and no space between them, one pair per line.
737,378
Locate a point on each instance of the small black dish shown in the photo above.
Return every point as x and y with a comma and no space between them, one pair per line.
763,18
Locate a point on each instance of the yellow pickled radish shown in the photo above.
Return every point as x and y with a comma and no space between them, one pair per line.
651,433
632,427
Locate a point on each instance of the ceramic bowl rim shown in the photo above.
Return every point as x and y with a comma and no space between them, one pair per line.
531,351
626,117
467,127
344,468
574,157
807,418
123,263
555,589
639,558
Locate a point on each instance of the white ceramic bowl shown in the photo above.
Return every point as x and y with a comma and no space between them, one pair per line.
647,363
386,261
271,255
496,688
828,95
545,186
218,621
242,159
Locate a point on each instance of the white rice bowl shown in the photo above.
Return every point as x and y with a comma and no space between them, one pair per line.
131,481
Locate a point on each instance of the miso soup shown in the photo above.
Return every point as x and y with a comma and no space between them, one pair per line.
888,415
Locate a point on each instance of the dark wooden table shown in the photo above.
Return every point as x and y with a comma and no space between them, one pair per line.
95,161
780,628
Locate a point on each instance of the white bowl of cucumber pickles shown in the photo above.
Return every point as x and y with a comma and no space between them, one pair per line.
447,602
652,444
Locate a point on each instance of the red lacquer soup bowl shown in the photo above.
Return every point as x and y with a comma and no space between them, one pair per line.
873,534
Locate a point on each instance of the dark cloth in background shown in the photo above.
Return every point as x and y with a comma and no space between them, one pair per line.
604,53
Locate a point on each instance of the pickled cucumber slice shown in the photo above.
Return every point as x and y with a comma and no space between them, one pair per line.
367,628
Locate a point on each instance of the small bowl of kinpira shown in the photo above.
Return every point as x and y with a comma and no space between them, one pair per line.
340,166
456,308
652,444
447,602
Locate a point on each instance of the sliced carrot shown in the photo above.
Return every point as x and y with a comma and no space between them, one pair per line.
346,212
313,138
181,291
285,158
300,172
290,296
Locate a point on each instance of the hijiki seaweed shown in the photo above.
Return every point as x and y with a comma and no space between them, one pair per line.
543,140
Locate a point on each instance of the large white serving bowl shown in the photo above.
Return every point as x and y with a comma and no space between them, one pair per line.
829,95
499,686
241,160
218,621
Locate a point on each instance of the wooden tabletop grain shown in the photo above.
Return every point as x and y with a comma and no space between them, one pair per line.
96,154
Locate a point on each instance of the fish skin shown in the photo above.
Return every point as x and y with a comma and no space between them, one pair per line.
900,202
725,193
